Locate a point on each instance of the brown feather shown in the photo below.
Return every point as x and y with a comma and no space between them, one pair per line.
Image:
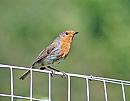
45,52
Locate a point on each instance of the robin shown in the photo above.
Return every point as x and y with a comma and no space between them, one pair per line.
55,52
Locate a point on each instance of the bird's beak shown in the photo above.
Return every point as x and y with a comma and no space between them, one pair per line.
76,33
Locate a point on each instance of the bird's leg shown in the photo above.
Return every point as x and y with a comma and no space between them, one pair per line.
63,73
53,69
43,68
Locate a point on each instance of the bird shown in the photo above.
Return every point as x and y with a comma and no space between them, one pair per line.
55,52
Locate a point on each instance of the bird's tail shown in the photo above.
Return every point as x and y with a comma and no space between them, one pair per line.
24,75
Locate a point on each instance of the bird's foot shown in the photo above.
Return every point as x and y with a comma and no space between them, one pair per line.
64,75
91,77
52,73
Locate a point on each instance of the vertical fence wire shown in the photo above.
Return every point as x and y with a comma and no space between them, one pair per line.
105,90
31,85
123,92
87,90
12,84
69,96
49,88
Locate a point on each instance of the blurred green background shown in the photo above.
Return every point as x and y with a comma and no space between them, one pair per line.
102,48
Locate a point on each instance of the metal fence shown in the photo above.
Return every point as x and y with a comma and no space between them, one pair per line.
122,83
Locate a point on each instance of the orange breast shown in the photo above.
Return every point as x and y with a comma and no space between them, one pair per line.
65,46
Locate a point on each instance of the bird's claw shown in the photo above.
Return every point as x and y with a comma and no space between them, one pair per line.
52,73
91,77
64,75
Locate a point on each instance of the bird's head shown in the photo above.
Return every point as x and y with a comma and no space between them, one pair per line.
68,34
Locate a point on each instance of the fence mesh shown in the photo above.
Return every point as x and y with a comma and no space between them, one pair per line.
88,79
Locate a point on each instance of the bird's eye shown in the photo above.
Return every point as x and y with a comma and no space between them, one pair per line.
66,33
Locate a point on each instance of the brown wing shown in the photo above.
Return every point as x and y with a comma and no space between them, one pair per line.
45,52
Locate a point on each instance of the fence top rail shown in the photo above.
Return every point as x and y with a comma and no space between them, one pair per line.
91,77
